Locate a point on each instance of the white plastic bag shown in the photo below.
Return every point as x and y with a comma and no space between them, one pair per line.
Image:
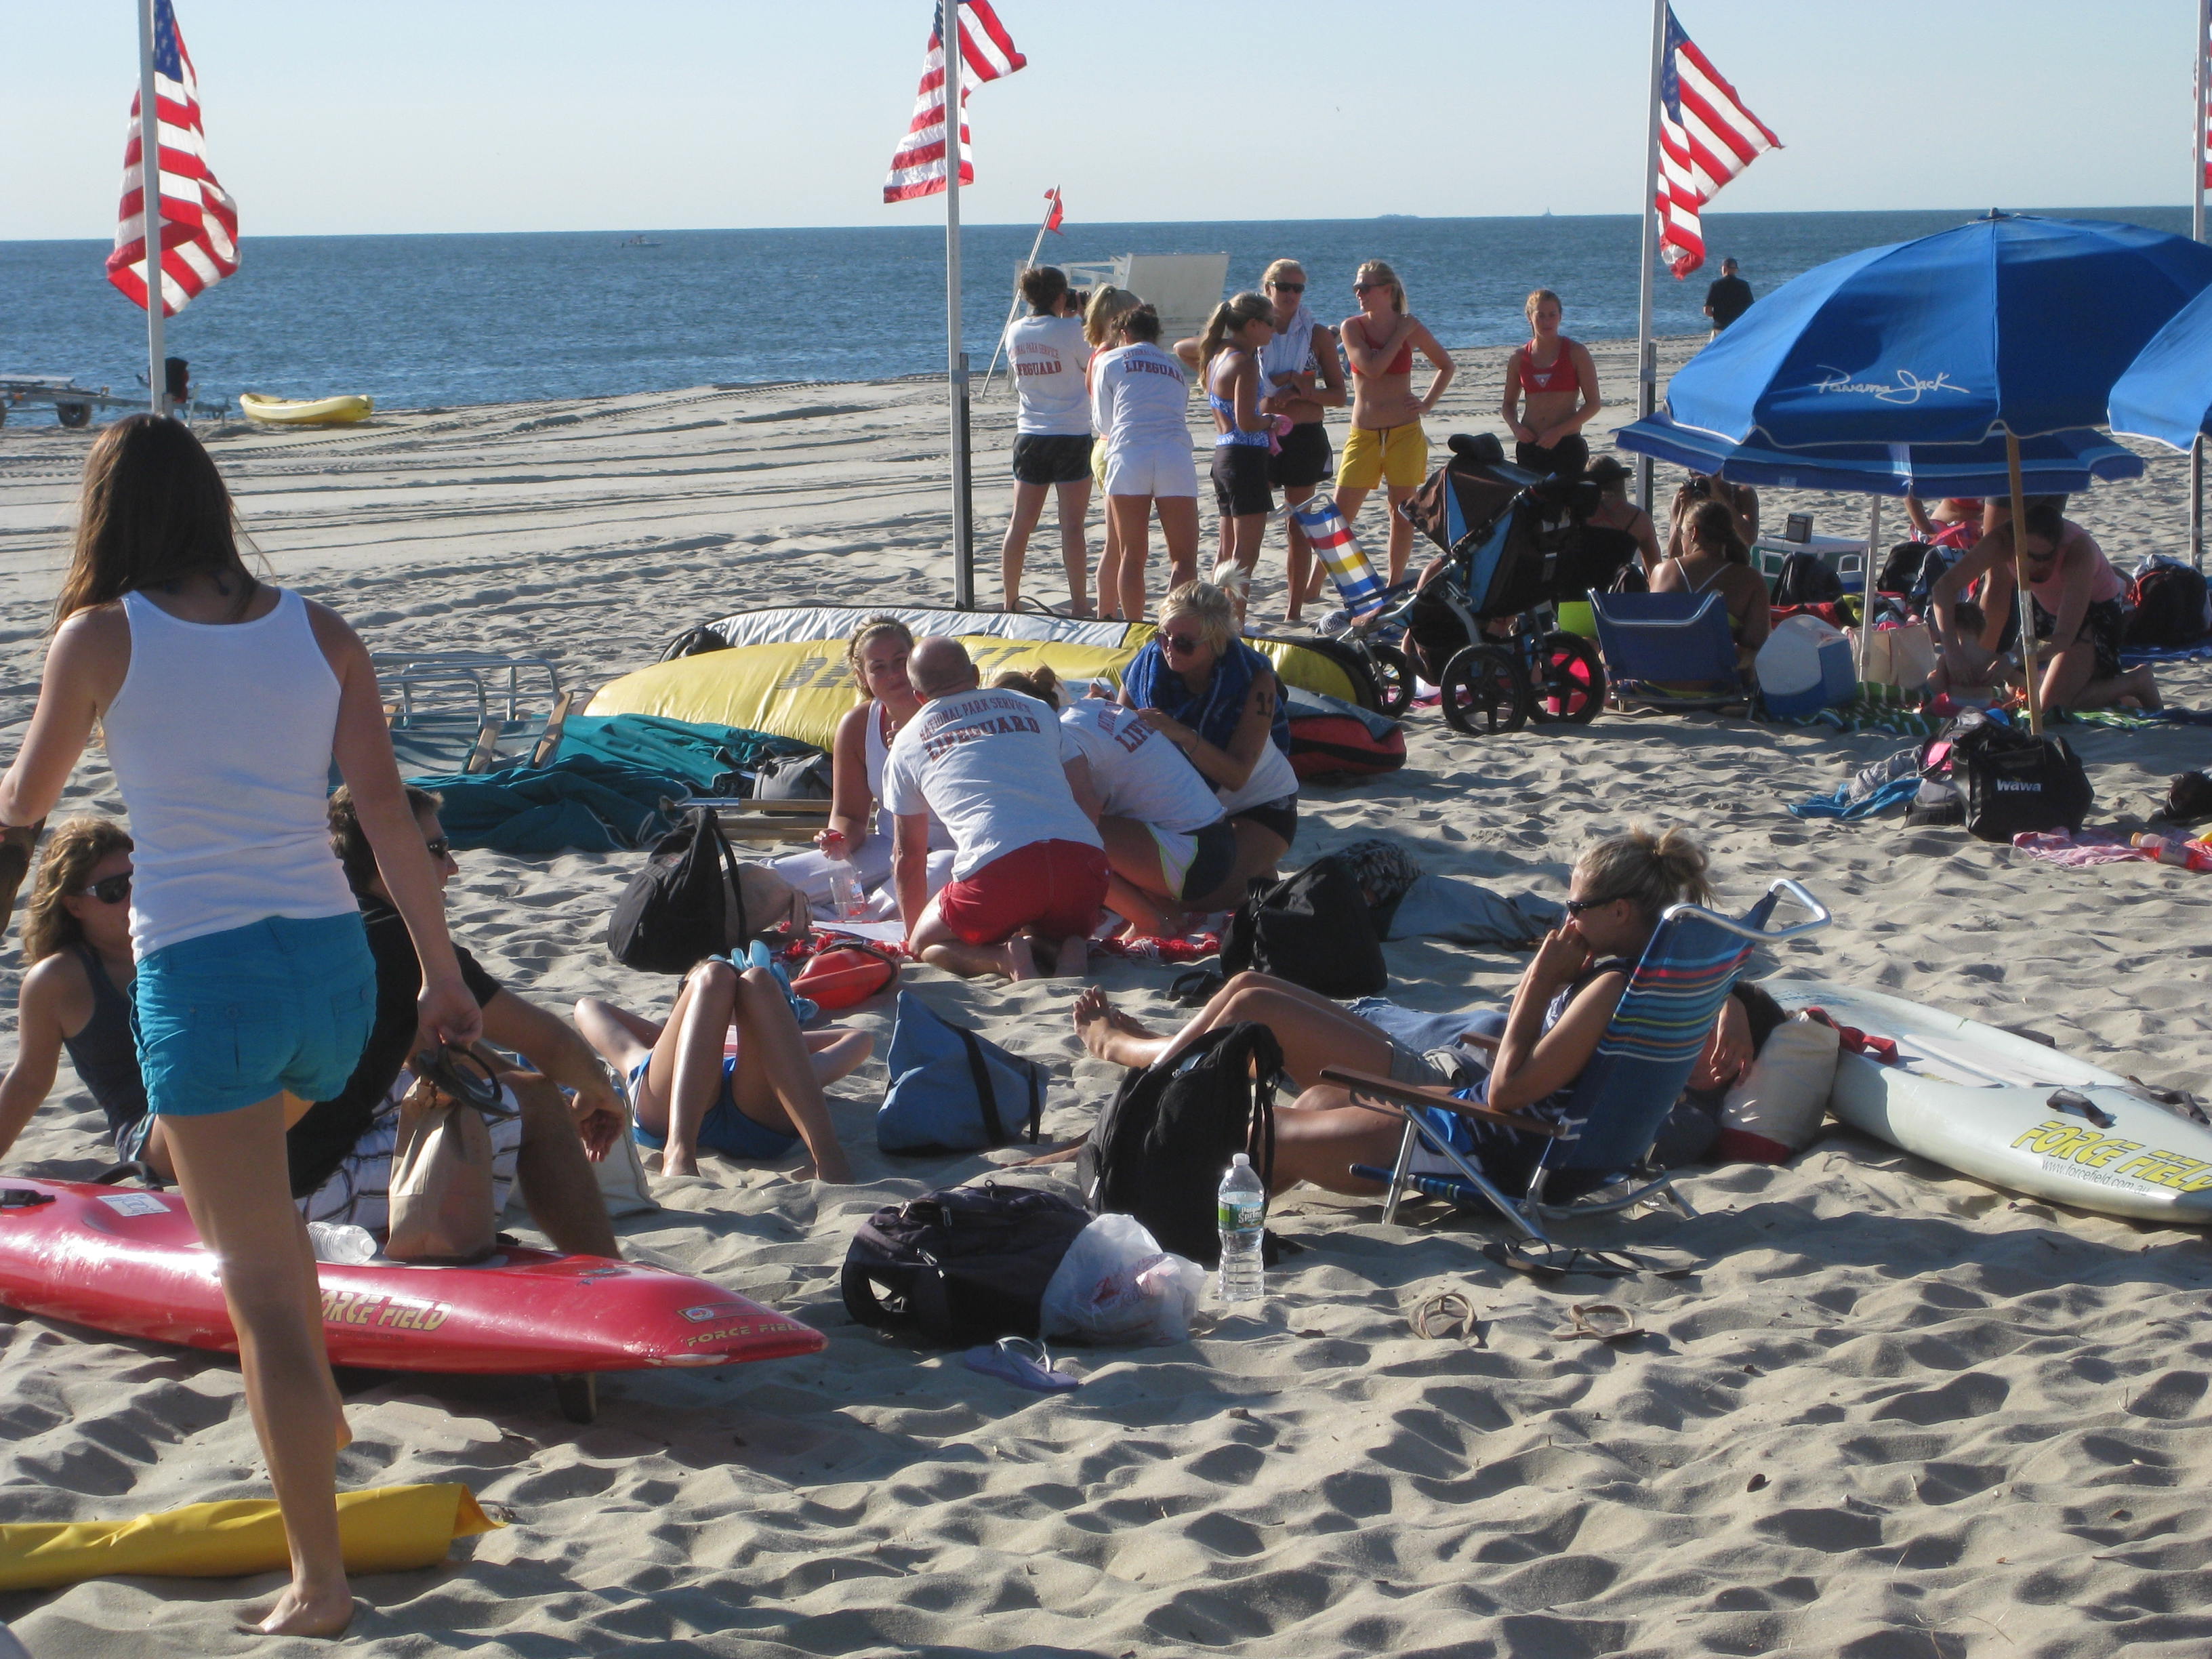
1116,1286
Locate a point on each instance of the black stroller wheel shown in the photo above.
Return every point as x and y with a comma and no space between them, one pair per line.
1393,679
1485,692
1573,681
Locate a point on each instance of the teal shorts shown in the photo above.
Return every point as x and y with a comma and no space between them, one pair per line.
230,1018
725,1129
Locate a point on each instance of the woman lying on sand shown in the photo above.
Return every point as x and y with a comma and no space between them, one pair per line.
755,1106
1527,1063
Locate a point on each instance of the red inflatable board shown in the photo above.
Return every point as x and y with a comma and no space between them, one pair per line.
124,1259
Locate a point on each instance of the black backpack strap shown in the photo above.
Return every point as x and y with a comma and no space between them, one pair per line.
1036,1099
986,1097
731,865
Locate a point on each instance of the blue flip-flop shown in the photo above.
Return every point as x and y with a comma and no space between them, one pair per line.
1024,1363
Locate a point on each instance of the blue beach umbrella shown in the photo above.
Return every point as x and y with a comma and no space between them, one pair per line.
2057,463
2167,393
2011,325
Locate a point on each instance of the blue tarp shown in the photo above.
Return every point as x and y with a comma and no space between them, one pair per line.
579,804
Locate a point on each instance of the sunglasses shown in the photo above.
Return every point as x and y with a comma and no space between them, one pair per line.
1288,287
108,890
1181,644
440,849
1575,907
1362,288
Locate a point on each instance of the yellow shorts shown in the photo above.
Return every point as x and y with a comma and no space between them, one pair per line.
1398,455
1099,463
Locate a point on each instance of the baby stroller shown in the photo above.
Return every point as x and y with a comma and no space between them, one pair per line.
1485,632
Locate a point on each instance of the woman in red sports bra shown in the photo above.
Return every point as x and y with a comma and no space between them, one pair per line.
1386,446
1556,376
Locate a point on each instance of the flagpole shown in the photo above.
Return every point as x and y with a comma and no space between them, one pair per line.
1042,226
1647,352
150,203
2196,156
955,361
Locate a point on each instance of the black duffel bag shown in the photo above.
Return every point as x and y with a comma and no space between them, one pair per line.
967,1265
687,904
2014,783
1314,929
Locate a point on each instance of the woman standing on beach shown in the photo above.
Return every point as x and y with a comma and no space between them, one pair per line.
1228,360
1386,444
1048,355
1300,376
1102,322
1557,378
222,702
858,835
1139,397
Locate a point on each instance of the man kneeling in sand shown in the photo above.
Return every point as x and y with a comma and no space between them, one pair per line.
999,771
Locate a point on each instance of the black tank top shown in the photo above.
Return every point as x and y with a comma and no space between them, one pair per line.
106,1053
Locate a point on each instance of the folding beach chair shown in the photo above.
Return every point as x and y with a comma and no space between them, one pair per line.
1658,646
1358,583
1623,1095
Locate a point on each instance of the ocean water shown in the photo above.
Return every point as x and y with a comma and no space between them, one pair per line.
428,321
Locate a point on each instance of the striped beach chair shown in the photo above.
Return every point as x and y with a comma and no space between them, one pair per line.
1642,1064
1358,584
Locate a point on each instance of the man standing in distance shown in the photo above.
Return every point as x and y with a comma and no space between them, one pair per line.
1000,771
1728,297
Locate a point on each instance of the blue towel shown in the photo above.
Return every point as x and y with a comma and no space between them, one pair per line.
577,805
1898,791
1215,713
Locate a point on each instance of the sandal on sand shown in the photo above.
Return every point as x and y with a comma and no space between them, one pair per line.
1599,1322
1445,1314
1551,1261
1024,1363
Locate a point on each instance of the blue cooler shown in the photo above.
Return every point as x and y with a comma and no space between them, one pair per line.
1805,666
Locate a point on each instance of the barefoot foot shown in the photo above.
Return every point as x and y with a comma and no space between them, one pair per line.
1020,961
1108,1033
1072,958
323,1610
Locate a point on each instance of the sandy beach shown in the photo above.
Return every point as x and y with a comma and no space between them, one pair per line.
1878,1411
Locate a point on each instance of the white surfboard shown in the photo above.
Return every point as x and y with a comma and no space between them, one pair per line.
2012,1112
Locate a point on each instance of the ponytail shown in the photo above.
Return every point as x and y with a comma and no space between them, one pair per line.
1655,870
1227,317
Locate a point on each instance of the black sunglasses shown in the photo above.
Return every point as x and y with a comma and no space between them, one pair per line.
1288,287
108,890
1184,643
1575,907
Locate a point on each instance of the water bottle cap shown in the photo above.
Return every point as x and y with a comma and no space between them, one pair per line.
1240,1161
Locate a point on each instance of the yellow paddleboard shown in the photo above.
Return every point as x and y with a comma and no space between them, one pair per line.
305,411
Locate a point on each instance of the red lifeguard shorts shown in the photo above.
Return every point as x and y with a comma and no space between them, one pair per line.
1058,887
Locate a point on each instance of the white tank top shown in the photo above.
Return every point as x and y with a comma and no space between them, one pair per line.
879,750
221,742
1291,352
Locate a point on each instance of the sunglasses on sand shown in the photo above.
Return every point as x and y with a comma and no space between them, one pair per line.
108,890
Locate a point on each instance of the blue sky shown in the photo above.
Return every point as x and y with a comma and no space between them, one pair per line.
450,115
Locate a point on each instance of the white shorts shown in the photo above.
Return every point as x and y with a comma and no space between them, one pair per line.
359,1190
1160,469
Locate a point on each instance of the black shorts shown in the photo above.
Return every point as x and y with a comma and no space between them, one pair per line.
1209,865
1306,460
1279,816
2104,625
1052,457
1567,457
1240,480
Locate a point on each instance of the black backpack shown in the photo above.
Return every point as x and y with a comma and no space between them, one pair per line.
967,1265
1901,569
1806,580
2169,606
1159,1148
684,906
1314,929
2014,783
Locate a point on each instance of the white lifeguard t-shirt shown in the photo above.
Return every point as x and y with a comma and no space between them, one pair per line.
1138,774
1049,355
988,765
1139,395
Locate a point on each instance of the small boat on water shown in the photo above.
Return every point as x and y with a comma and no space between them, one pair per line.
2009,1112
306,412
639,241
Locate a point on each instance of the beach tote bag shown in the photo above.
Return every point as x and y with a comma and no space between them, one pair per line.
950,1090
2014,783
1314,929
684,906
443,1183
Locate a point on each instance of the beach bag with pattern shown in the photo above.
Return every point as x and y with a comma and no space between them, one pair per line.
1160,1145
967,1265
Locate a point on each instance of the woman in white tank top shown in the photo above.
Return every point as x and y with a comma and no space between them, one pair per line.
222,702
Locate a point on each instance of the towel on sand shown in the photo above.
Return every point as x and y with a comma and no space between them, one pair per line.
712,759
581,805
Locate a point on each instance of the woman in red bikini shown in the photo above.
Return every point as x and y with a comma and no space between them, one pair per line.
1558,380
1386,444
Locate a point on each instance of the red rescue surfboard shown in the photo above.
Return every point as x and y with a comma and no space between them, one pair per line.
128,1261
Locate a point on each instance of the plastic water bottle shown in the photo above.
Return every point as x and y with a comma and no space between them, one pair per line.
342,1242
846,896
1243,1207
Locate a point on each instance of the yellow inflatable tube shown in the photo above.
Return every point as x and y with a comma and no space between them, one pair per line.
386,1530
801,689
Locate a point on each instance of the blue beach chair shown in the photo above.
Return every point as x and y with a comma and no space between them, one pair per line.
1657,646
1623,1095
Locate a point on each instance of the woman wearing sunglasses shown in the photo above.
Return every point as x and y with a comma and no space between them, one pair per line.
1301,376
77,994
1386,446
1216,699
1525,1061
222,702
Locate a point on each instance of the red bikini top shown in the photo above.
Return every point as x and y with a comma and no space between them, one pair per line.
1400,364
1559,377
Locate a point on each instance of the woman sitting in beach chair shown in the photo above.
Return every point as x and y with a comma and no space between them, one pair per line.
1216,699
1527,1062
860,832
1715,558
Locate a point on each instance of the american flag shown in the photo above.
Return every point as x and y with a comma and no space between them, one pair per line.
1706,137
198,221
987,52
